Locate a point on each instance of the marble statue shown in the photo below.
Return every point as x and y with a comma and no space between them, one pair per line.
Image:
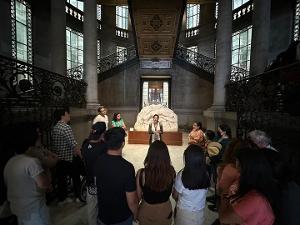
166,117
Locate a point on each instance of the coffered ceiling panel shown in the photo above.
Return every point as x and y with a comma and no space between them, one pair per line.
156,47
151,21
156,25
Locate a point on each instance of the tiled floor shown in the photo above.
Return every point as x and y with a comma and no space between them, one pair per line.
75,213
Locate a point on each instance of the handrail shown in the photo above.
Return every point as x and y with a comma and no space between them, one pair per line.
20,80
206,63
105,63
108,62
201,61
78,14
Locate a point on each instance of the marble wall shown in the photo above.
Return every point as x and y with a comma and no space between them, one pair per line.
190,94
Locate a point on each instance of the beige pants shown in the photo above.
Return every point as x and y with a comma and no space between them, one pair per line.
155,214
184,217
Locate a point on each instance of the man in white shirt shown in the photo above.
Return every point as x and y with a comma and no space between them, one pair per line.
101,117
26,180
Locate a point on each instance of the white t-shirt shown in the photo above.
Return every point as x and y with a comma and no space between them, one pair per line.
191,200
101,118
23,193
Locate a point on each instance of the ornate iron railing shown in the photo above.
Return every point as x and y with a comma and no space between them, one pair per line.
243,10
122,32
115,59
29,93
238,73
75,72
201,61
206,63
21,82
78,14
267,101
192,32
106,63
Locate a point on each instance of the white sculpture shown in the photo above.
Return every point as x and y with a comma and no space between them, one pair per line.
166,117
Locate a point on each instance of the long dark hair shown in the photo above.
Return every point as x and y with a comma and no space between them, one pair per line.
231,151
199,124
256,174
115,116
159,173
226,129
194,173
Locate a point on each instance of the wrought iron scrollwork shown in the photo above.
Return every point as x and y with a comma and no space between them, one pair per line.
115,59
22,81
75,72
266,101
206,63
201,61
29,93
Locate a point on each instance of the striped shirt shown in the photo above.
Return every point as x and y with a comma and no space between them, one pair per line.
63,141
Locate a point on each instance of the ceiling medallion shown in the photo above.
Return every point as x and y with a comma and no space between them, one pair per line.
156,22
156,46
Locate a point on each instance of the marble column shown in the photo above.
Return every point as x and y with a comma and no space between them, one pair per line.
223,51
58,37
90,54
108,30
260,36
207,33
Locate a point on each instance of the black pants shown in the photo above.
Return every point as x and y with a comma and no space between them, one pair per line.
65,169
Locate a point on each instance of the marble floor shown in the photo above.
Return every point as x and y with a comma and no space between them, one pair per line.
75,213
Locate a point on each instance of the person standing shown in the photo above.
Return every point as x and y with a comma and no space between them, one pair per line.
92,148
115,179
255,200
101,117
66,148
154,186
26,180
155,129
190,188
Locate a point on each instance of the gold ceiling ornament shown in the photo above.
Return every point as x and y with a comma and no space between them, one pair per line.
156,46
156,22
157,25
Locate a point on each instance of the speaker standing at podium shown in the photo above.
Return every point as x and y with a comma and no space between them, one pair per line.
155,129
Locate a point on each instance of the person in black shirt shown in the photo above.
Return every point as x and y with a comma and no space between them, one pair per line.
92,148
115,179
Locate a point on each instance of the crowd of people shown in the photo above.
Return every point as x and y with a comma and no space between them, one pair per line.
254,184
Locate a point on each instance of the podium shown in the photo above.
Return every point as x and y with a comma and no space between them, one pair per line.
142,137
